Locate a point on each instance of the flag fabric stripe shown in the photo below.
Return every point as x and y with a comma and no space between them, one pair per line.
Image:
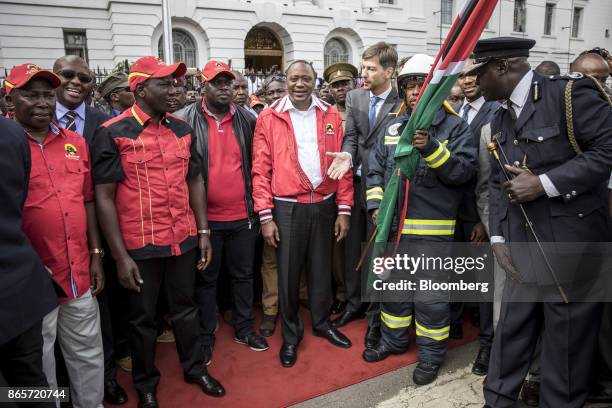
454,52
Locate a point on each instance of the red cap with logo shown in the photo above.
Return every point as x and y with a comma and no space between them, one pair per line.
152,67
24,73
214,68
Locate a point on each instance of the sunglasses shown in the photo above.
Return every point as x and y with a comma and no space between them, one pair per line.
122,89
84,78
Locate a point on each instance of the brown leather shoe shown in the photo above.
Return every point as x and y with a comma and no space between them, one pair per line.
267,326
530,394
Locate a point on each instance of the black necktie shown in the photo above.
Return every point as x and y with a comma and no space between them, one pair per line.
71,120
511,110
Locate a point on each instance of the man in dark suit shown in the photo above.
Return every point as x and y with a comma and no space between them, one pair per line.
476,112
26,290
369,110
558,172
73,113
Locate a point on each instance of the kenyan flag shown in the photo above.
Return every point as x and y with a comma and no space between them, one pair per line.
453,55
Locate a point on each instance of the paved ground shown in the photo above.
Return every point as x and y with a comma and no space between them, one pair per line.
456,387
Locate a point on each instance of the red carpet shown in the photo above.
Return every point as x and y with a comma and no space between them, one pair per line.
253,379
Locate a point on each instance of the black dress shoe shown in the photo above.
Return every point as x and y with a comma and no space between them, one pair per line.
114,394
425,373
372,337
147,400
378,353
268,324
208,384
337,307
334,337
600,394
346,318
481,364
530,394
288,355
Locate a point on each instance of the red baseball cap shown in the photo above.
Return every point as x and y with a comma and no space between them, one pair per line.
214,68
152,67
24,73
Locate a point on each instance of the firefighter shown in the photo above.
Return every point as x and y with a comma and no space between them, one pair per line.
448,158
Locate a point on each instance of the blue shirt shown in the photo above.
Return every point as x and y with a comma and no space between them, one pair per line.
60,114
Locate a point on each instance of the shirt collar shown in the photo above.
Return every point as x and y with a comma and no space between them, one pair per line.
285,104
209,113
141,117
475,105
521,92
383,95
61,110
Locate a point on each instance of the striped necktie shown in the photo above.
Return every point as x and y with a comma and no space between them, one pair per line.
71,120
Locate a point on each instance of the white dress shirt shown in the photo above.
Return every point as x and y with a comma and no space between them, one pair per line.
305,130
383,97
474,108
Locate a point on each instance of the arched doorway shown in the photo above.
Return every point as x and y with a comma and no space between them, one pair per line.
263,51
336,50
184,48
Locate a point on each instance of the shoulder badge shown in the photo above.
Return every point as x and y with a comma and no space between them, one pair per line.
393,129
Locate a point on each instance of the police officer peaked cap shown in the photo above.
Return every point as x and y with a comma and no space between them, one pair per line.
500,48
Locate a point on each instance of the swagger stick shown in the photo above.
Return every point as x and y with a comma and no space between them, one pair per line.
492,147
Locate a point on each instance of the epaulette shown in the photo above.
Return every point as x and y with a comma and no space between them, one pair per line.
571,75
448,108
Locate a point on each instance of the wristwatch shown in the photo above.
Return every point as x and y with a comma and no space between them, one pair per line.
97,251
204,232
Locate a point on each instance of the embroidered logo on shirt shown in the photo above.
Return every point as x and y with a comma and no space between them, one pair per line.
71,152
329,129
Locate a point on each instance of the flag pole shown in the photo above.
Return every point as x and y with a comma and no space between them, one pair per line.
167,24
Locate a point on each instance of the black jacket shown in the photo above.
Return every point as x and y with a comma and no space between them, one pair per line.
26,289
93,119
243,122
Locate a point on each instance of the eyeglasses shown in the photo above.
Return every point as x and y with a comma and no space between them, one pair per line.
84,78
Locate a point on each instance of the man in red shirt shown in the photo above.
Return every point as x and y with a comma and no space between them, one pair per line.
151,200
60,222
224,134
301,210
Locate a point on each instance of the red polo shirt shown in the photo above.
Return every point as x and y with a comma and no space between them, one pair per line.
54,217
226,191
150,164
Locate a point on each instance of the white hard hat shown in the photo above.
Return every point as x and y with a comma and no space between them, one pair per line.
419,64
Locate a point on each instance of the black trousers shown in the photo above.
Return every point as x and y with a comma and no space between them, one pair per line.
569,341
306,232
485,309
361,227
233,244
176,276
603,376
21,363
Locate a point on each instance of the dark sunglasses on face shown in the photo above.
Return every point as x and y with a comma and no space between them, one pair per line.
84,78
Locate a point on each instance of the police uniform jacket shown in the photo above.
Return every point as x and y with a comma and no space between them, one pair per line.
539,139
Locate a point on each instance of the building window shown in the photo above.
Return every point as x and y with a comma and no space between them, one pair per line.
446,11
183,47
548,18
520,16
75,43
577,22
336,51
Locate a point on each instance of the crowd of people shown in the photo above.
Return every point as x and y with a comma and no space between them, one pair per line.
157,210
